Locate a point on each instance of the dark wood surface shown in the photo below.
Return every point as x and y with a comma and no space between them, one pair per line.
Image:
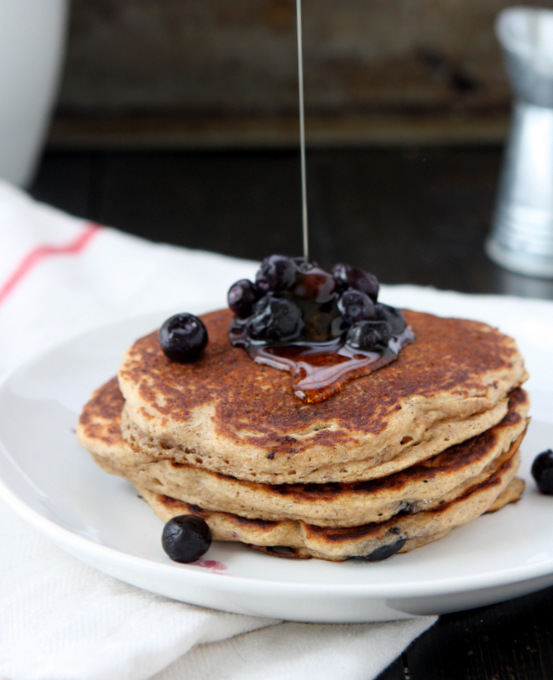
410,215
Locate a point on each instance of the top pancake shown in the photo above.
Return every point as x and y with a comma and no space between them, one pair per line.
230,415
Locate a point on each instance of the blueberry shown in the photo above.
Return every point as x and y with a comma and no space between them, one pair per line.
241,297
392,316
276,274
314,284
183,337
348,276
355,306
384,552
371,336
542,471
186,538
275,320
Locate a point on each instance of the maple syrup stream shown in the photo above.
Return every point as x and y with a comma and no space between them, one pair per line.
302,135
320,371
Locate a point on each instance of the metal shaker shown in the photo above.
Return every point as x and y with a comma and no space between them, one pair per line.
521,238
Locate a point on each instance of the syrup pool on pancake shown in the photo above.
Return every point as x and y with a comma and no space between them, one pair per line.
326,328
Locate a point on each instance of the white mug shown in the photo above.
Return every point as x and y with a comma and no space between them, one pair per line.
32,41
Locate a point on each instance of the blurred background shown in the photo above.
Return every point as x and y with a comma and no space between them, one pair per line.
178,121
219,74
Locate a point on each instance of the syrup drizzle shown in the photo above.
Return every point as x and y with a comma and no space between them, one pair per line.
305,229
320,369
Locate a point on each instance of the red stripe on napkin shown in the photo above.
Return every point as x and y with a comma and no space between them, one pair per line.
41,253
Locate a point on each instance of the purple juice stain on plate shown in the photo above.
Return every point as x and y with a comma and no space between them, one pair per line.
212,565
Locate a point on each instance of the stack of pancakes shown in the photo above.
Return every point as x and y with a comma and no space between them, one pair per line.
394,460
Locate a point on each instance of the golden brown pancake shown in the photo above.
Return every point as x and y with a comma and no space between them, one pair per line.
374,541
427,484
396,459
226,414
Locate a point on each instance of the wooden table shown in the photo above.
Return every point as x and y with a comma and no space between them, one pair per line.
410,215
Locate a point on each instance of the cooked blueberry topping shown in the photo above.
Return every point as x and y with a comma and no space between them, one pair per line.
355,306
295,302
183,337
277,273
275,320
353,277
313,283
542,471
369,335
392,316
321,324
384,551
241,297
186,538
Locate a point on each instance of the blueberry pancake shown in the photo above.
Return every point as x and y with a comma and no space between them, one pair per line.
428,484
373,541
309,419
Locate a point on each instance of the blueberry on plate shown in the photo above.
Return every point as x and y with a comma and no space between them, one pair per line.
183,337
186,538
542,471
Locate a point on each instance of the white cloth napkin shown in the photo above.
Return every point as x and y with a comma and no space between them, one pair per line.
63,620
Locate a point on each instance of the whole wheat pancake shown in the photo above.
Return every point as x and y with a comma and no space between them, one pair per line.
373,541
430,483
229,415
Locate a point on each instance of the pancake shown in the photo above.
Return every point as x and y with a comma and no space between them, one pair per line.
428,484
372,542
394,460
228,415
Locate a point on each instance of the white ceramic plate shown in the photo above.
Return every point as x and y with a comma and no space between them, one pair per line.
52,483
